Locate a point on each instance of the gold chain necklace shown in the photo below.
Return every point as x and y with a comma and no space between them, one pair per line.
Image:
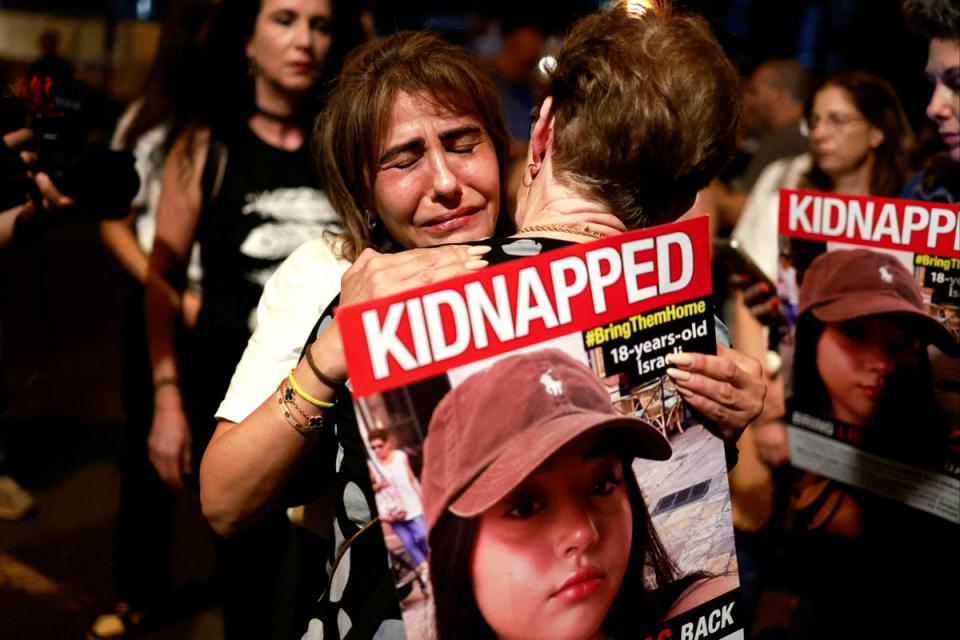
562,228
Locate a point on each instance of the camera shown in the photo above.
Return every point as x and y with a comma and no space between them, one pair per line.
61,115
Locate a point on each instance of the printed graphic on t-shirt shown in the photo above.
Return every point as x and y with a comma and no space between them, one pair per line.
291,216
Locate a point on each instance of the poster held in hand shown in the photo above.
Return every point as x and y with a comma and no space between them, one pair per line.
523,401
874,400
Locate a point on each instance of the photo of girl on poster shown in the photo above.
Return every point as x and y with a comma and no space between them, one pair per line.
538,528
861,351
863,377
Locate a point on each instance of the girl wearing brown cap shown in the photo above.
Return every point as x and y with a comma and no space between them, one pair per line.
861,360
862,332
537,525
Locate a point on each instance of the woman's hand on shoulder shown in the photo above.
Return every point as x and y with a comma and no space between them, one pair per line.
728,389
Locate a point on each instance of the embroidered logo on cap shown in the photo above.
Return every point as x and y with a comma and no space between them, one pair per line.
553,387
885,275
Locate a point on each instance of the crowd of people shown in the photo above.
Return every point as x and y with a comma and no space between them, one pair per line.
321,166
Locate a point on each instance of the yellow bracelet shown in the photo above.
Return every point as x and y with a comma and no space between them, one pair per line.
306,396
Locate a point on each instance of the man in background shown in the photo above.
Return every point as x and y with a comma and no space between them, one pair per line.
773,100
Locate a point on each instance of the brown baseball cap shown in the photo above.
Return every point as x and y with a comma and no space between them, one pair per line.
500,424
847,284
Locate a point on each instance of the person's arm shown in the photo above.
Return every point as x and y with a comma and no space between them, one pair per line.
8,220
248,463
119,238
375,480
50,196
178,212
237,482
118,235
10,217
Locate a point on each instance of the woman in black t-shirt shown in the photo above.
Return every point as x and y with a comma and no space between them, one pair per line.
238,178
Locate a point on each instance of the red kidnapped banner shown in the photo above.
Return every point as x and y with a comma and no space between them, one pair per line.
424,332
907,225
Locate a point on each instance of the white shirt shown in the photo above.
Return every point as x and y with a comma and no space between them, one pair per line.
292,301
148,157
756,230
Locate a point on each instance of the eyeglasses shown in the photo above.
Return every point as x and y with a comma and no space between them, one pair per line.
832,122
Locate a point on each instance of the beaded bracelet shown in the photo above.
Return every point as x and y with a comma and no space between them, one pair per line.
333,384
323,404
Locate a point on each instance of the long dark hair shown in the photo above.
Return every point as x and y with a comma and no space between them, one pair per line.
643,598
176,75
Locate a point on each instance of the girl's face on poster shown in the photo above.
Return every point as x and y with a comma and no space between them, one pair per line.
381,448
290,43
550,557
437,180
859,360
841,139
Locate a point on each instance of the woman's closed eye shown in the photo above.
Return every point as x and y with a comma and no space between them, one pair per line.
284,17
950,79
405,161
463,144
409,159
320,24
462,139
906,345
402,156
463,148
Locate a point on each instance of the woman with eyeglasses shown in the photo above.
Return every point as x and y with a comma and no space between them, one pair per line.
860,143
859,137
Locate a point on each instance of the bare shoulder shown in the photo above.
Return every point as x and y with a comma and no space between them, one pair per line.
702,591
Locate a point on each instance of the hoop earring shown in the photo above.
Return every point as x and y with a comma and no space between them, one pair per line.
370,220
527,179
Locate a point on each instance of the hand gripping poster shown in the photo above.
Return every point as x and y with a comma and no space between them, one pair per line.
537,474
875,399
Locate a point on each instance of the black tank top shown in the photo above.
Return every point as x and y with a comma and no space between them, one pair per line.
268,204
